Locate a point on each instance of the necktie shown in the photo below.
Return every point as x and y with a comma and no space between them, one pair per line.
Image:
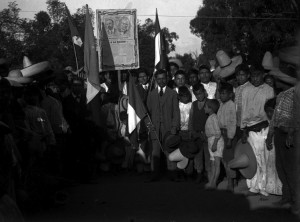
161,92
146,87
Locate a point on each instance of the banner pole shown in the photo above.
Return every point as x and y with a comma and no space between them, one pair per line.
75,56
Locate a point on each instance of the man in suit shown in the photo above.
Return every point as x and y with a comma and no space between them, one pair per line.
143,85
163,107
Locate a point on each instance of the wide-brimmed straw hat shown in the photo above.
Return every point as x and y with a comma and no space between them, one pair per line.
16,76
244,160
29,69
267,61
290,55
176,61
226,65
271,64
183,163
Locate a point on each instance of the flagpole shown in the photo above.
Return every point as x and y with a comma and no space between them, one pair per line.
155,133
150,121
75,55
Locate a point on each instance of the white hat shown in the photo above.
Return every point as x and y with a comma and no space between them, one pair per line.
176,61
226,65
16,76
30,69
272,64
26,62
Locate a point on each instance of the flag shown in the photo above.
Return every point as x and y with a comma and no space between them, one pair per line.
90,59
161,59
74,32
136,109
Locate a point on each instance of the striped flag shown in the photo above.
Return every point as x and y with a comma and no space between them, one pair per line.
136,109
161,59
90,59
74,32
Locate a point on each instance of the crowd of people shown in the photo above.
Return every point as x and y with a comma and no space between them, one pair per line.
199,126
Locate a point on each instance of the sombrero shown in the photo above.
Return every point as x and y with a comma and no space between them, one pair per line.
188,149
272,64
226,65
177,62
30,69
16,76
290,55
244,160
183,163
177,156
171,142
267,61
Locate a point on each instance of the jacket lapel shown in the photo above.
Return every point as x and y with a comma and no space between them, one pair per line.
165,96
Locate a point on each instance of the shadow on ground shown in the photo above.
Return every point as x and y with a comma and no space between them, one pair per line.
128,198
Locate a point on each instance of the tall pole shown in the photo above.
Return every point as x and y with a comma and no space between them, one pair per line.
75,56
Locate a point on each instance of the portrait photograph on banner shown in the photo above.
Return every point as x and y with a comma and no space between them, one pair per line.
117,39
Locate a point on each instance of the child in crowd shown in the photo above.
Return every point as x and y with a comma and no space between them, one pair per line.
227,121
187,149
197,128
215,141
185,104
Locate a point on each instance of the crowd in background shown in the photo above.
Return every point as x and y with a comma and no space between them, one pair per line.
48,137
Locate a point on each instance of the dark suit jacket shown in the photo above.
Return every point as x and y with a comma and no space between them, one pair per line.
170,111
143,93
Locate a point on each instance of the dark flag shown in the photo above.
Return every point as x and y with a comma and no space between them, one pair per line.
136,110
91,69
161,59
74,32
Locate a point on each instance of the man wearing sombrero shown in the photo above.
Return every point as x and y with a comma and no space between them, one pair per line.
255,126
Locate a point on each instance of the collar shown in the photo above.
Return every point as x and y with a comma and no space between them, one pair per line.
164,89
146,85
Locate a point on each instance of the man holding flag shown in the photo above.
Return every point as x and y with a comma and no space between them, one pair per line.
163,106
164,111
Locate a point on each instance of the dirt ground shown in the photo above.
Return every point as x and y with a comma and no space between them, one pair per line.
126,197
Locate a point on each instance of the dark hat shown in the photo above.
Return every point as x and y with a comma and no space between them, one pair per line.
188,149
244,160
171,142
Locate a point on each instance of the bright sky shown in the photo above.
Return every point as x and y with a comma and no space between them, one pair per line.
186,43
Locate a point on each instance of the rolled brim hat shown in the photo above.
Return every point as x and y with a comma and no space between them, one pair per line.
35,69
226,65
16,76
183,163
244,160
177,62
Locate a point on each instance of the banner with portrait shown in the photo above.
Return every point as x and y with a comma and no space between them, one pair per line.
117,39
